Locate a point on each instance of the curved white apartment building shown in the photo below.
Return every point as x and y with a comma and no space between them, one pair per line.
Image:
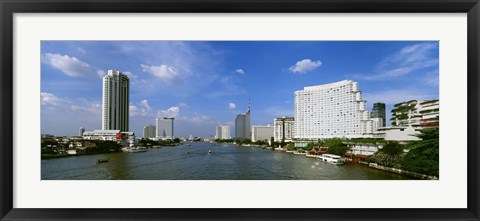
331,110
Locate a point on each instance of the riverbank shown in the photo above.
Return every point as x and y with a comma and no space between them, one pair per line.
403,172
55,156
378,167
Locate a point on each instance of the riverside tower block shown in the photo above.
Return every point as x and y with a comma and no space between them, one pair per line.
115,101
331,110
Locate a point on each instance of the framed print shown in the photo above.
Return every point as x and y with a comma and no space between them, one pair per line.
239,110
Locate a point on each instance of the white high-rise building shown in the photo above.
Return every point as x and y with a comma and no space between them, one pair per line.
331,110
165,128
279,127
262,132
222,132
149,131
115,101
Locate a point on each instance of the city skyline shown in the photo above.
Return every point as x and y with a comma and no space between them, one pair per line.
205,84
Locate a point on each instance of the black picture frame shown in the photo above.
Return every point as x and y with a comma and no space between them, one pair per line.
9,7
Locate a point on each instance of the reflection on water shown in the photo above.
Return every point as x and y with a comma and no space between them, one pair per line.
227,162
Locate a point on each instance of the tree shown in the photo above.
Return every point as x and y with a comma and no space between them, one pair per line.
392,148
333,142
423,156
338,150
429,134
336,146
390,155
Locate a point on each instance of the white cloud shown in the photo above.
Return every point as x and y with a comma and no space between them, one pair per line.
170,112
86,106
135,111
398,96
80,107
166,73
278,111
193,66
81,50
183,105
49,99
101,73
229,87
174,112
63,116
404,62
304,66
143,109
432,78
196,119
232,106
71,66
134,79
239,71
145,104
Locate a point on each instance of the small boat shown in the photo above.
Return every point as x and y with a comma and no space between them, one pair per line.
299,153
99,161
209,152
141,149
331,158
134,149
188,144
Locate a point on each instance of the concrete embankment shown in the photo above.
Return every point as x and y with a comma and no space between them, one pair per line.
403,172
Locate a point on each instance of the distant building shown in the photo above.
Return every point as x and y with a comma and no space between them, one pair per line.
242,125
418,114
115,101
262,133
378,111
47,136
362,148
331,110
149,131
222,132
398,133
81,131
289,128
377,123
165,128
112,135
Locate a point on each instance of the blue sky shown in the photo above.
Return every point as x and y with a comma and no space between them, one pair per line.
204,84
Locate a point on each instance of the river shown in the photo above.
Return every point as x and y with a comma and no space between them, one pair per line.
227,162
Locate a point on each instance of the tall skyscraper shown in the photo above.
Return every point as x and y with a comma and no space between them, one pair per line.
242,124
81,131
115,101
331,110
149,131
165,128
378,111
222,132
